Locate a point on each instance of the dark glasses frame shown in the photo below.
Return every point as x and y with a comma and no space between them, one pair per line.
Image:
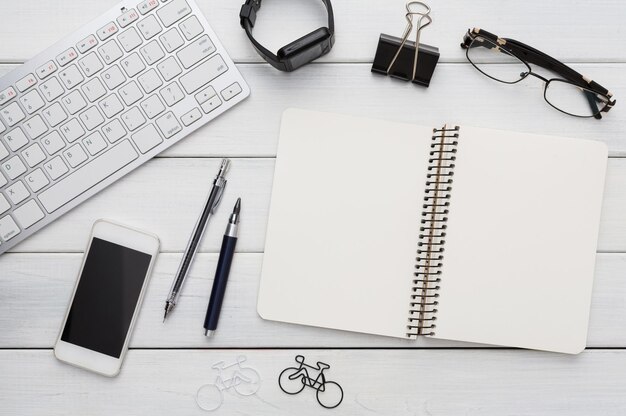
527,54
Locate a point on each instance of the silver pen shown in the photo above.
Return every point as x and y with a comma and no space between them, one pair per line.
219,183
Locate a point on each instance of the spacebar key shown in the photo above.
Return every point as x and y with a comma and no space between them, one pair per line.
81,180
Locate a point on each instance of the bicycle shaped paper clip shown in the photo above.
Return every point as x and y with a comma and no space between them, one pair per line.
245,380
293,380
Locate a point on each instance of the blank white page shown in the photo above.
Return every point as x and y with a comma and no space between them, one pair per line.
521,240
344,222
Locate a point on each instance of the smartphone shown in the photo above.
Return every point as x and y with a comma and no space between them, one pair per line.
107,297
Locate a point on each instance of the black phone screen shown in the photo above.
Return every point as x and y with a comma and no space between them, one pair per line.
106,297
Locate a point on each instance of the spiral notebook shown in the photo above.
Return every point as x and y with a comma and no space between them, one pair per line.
455,232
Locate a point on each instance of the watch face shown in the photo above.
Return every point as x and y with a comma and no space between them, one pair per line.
306,56
306,49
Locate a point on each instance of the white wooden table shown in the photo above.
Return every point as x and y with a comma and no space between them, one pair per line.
168,362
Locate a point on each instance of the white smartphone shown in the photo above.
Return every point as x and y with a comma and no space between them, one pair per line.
107,298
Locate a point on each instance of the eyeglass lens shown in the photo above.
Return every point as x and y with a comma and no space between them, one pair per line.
500,65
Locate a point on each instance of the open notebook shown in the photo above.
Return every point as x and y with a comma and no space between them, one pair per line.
458,233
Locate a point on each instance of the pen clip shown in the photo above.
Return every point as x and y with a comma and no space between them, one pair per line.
220,185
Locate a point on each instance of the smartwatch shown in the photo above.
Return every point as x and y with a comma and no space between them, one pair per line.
297,53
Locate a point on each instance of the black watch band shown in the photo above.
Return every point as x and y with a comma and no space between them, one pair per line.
247,18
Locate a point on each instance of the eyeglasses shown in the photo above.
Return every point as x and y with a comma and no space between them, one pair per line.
507,61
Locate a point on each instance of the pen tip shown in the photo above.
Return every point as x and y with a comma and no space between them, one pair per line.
237,208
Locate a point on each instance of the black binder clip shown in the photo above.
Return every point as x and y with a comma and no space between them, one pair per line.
405,59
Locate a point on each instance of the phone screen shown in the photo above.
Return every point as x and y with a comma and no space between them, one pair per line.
106,297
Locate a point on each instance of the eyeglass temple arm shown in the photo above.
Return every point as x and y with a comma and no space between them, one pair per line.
535,56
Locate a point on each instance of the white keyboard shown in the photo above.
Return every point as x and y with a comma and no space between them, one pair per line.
98,104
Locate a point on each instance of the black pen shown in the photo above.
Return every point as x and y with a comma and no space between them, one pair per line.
221,274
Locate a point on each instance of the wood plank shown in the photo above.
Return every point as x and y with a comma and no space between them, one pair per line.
33,25
36,289
166,196
412,383
252,128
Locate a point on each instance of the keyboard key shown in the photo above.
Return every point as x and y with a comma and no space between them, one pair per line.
169,68
91,118
31,101
211,104
94,90
72,130
74,102
46,69
107,31
147,138
75,155
152,52
203,73
147,5
113,77
54,114
168,125
88,176
149,81
55,168
66,57
133,119
111,105
51,89
205,95
6,95
35,127
127,18
129,39
36,180
87,43
173,12
17,192
28,214
13,167
172,94
26,82
16,139
110,52
191,27
90,64
114,131
132,65
149,27
8,228
171,40
12,114
130,93
152,107
71,77
3,151
3,180
4,204
53,142
196,51
94,143
33,155
191,117
2,128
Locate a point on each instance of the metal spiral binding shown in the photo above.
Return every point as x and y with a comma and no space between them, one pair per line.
429,260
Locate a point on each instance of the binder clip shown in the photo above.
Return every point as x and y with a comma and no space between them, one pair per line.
405,59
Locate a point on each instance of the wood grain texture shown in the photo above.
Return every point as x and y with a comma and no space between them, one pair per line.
551,26
383,382
251,129
36,289
166,195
